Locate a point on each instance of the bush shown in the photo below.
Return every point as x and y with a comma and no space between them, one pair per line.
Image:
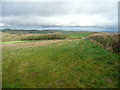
44,36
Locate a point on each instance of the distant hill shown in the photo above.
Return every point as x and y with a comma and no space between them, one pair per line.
36,31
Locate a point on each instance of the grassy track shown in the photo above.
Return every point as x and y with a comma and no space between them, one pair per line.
20,41
76,63
13,42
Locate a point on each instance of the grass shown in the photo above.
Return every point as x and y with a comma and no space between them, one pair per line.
66,64
22,41
10,37
78,35
13,42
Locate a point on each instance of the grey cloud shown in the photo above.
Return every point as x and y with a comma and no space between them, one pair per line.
52,13
34,8
56,8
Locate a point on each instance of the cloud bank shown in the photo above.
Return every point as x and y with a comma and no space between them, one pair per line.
59,13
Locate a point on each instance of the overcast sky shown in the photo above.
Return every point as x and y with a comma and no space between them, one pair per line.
59,13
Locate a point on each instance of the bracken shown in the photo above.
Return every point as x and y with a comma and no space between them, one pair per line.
110,42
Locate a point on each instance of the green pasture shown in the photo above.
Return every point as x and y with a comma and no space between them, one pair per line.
66,64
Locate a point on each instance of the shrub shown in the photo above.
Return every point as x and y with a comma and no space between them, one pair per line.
44,36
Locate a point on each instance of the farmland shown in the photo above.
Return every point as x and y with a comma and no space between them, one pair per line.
76,61
23,35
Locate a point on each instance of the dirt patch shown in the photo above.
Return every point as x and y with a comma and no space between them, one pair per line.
108,80
22,67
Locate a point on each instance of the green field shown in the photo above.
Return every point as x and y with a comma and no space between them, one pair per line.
68,63
77,35
13,42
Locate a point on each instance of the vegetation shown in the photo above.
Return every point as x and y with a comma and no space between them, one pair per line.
77,63
64,63
15,35
13,42
19,32
10,37
110,41
78,34
44,36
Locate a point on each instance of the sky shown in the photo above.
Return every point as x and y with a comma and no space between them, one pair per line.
59,13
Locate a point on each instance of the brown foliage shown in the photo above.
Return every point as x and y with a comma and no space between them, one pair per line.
111,42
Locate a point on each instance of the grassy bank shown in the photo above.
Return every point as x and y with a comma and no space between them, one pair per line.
110,42
10,37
